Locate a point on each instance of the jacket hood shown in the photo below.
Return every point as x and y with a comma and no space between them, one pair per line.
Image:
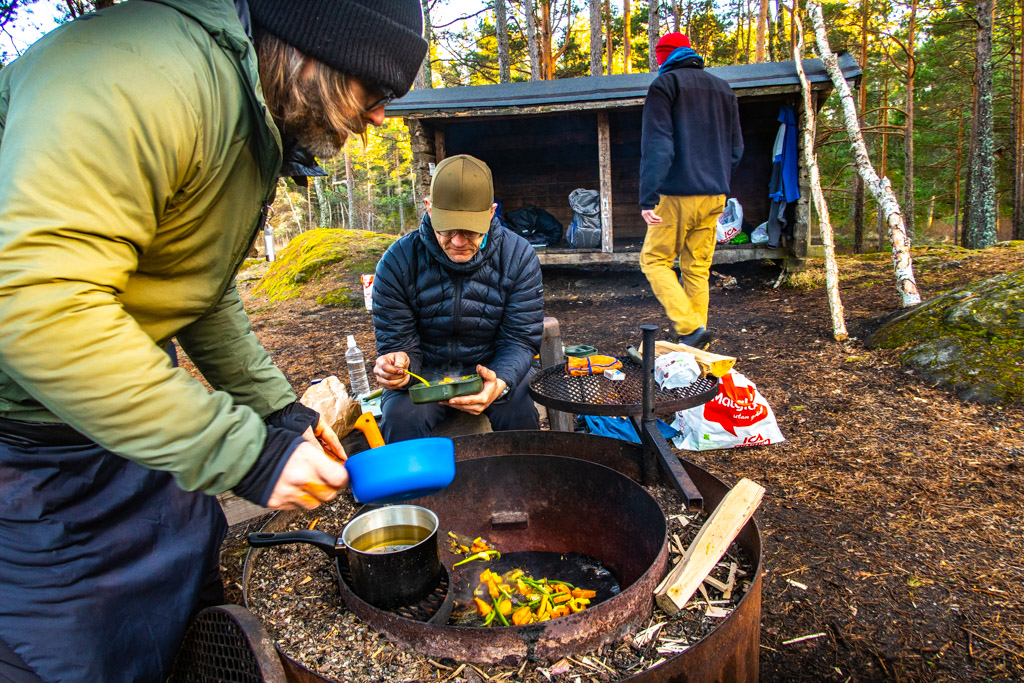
223,20
490,250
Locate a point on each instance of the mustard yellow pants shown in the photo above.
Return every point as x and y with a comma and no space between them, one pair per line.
687,231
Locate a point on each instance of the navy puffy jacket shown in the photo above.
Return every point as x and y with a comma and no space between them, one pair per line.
450,316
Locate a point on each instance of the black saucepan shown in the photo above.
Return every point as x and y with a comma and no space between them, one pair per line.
391,552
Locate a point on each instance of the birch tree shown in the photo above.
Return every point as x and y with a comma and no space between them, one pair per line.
596,37
501,28
980,219
835,304
881,188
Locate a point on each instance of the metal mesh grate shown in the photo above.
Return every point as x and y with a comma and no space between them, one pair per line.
598,395
219,646
420,611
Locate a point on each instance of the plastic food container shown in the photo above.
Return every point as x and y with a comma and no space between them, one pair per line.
442,391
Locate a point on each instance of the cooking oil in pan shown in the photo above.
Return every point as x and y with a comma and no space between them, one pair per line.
390,539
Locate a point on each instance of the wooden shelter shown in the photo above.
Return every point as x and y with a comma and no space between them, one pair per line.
544,139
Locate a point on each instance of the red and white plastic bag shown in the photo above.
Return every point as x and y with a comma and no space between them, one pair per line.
737,416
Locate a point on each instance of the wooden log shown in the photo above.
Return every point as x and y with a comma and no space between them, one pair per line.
712,363
551,354
709,546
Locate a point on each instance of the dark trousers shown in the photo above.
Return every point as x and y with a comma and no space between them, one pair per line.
401,419
103,562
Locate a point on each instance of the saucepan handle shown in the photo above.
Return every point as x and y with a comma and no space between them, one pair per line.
332,545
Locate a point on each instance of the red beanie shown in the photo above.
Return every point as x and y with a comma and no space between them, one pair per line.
667,45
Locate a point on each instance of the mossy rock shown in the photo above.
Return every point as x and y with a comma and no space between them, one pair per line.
313,260
971,339
342,297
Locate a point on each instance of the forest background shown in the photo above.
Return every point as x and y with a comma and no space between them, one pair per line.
940,101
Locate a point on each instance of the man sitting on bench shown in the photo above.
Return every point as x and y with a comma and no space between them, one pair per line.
462,294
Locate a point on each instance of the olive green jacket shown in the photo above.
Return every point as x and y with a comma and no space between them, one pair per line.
135,159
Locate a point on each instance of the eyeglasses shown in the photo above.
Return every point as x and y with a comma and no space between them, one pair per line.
466,234
389,97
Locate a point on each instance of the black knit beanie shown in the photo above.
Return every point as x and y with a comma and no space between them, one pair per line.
378,41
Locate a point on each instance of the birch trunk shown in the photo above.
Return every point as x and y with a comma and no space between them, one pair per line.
835,304
596,37
653,33
531,40
501,28
881,188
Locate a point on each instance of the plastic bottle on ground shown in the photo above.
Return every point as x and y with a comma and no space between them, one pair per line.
358,383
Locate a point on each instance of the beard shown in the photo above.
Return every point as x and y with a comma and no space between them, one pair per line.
315,133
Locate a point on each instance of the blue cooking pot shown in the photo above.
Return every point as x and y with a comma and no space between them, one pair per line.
399,471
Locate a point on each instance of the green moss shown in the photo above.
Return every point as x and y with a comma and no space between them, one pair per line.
318,254
971,338
341,297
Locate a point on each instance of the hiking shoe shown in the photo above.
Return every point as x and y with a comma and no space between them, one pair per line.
700,339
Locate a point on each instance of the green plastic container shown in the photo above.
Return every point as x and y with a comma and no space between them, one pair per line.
470,384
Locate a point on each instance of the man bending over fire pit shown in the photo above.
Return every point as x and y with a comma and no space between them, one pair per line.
461,294
140,147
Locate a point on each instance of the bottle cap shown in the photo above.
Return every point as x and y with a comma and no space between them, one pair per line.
351,341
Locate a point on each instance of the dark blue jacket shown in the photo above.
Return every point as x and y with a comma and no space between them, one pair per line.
450,316
691,140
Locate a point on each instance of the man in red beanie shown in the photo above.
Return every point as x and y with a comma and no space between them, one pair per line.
690,145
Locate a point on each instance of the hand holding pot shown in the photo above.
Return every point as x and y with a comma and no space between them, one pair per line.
309,478
390,370
474,404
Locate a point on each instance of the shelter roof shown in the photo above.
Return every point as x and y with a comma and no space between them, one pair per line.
609,91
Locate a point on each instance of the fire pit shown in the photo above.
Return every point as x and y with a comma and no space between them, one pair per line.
519,491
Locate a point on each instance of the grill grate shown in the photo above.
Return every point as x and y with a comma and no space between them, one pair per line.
227,643
597,395
424,610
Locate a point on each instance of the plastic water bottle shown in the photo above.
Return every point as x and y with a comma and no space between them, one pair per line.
356,369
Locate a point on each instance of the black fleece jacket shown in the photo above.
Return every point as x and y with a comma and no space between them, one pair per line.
691,140
450,316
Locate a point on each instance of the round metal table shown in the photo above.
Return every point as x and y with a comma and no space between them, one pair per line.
598,395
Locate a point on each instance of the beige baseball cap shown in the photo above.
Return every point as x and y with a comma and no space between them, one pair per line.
461,194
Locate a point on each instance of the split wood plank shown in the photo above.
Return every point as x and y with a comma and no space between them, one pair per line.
709,546
712,363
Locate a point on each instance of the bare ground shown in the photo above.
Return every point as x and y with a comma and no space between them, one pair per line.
896,504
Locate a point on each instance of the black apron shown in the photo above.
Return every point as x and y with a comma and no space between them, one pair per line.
102,561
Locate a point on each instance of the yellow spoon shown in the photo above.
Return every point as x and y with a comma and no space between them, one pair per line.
413,374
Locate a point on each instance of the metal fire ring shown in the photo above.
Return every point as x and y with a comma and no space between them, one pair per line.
598,395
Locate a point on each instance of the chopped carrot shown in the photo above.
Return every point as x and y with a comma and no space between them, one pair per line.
561,597
492,588
505,606
521,616
522,588
482,607
580,593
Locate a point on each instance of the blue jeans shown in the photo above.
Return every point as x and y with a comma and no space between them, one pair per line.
401,419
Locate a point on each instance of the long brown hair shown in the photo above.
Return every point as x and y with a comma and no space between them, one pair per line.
302,91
